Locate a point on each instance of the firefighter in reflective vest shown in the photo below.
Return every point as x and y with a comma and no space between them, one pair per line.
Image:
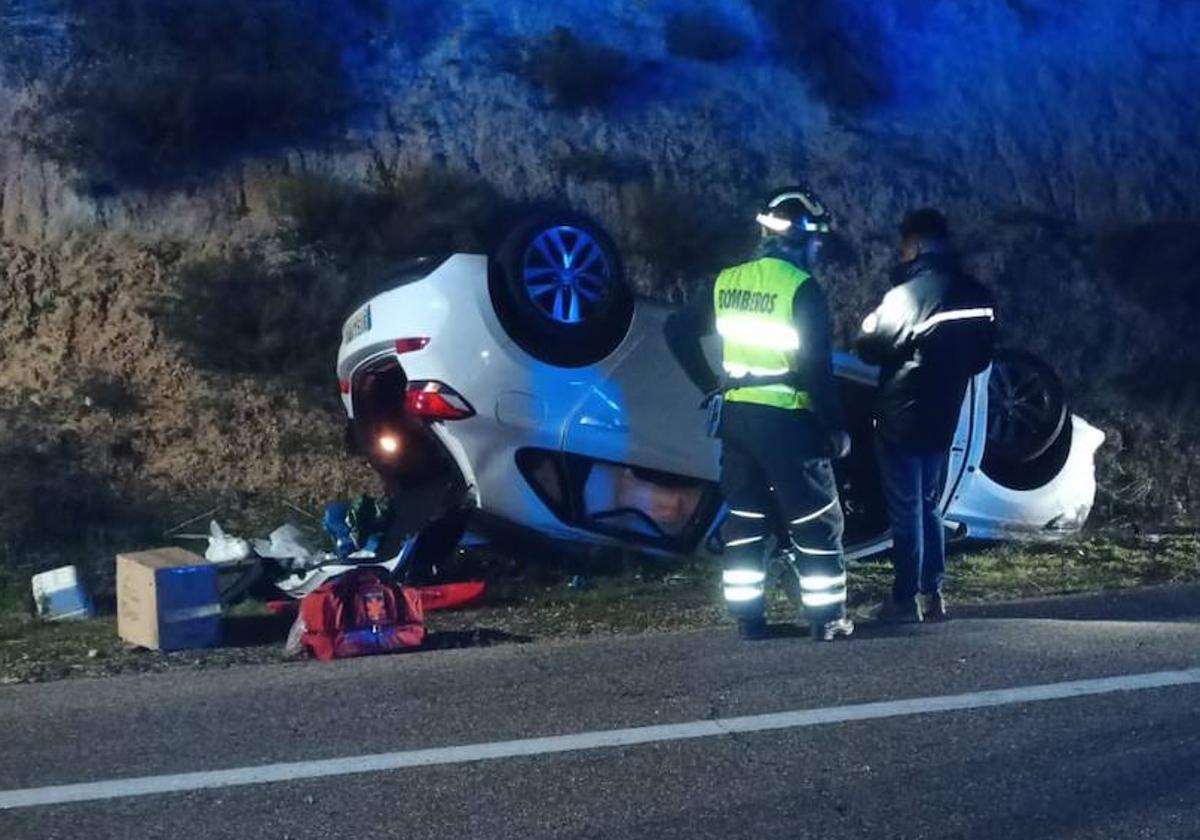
780,419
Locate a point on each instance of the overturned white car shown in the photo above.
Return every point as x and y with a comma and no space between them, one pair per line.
533,388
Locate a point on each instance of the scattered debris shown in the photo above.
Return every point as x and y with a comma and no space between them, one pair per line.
58,595
348,602
168,599
223,548
286,543
356,528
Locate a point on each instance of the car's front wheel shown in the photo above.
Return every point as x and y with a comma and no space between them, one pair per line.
1029,428
559,287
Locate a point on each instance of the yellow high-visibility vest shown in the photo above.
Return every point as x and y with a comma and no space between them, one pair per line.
758,332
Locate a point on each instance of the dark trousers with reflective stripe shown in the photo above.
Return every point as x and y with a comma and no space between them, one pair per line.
781,500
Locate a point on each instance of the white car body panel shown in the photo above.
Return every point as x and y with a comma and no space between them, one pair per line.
637,407
645,414
990,511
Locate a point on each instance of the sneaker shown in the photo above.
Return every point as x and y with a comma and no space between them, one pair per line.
830,630
907,611
752,629
935,607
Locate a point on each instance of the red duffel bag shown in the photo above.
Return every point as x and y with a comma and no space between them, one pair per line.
359,614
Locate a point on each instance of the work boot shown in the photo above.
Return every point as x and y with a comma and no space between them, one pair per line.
752,629
935,607
907,611
830,630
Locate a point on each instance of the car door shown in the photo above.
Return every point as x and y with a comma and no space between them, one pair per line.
966,450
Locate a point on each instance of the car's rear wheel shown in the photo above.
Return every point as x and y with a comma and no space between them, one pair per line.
1029,429
559,288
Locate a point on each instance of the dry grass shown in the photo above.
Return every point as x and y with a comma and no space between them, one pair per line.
147,93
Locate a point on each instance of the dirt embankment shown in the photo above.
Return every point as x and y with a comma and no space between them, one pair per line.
1060,142
103,420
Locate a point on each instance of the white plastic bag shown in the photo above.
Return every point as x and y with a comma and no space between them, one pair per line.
285,543
223,548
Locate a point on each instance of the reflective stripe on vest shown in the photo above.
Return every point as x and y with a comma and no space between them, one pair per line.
753,304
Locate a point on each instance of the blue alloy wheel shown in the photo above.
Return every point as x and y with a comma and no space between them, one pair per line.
567,274
558,287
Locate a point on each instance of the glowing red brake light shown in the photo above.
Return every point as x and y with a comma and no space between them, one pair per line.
435,401
411,345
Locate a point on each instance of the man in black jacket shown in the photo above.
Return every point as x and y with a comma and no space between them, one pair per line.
933,331
782,419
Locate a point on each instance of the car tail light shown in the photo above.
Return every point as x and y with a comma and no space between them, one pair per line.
435,401
344,386
411,345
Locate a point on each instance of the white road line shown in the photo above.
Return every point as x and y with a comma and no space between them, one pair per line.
608,739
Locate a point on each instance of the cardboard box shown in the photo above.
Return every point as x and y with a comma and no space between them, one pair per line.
167,599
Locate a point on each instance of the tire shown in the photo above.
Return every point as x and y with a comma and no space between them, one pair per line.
571,315
1027,407
1025,448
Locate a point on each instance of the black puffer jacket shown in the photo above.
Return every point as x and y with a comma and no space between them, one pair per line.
933,331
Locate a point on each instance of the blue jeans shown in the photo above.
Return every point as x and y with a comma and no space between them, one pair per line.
912,485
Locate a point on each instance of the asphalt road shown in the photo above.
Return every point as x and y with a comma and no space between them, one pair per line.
1121,763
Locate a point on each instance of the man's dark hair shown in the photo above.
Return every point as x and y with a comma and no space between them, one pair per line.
925,225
